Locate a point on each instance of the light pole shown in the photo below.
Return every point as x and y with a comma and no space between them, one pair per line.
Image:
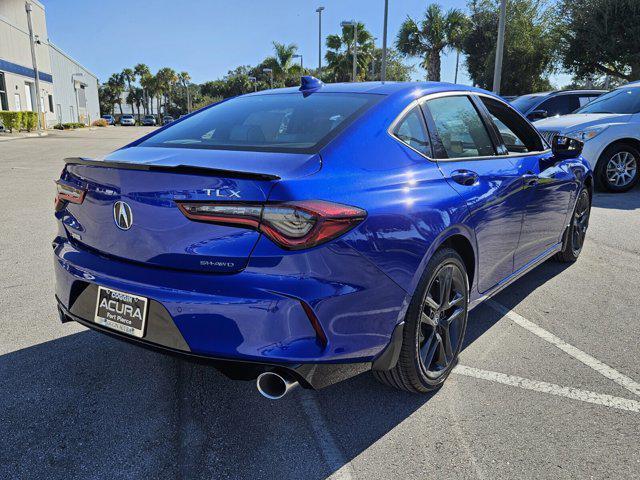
297,55
28,8
270,72
319,10
75,89
255,83
383,71
497,71
354,24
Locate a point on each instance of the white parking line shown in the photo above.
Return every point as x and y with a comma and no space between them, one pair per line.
591,362
550,388
334,458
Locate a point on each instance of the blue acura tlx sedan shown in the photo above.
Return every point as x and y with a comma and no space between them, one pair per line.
300,236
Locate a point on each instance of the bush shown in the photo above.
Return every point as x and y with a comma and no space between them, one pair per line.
29,120
101,122
11,120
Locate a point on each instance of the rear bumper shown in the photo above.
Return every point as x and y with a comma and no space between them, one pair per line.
259,317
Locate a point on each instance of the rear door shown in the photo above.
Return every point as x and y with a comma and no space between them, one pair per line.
466,152
547,185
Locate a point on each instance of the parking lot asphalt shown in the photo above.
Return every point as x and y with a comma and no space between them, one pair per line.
547,385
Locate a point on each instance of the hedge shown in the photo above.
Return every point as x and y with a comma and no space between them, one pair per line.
11,120
19,120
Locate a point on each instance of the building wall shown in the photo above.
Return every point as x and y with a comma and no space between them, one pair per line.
72,82
15,56
58,86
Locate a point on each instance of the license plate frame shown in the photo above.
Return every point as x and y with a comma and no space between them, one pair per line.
121,311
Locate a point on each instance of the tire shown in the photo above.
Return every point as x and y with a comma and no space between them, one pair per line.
574,235
426,358
618,168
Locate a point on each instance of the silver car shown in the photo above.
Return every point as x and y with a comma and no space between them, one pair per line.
127,120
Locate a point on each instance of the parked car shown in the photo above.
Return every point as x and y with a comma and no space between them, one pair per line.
610,130
536,106
149,120
167,119
127,120
301,236
111,120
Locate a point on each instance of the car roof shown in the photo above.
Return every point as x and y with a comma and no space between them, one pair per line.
379,88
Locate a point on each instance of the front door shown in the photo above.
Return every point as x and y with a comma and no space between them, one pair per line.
548,186
491,184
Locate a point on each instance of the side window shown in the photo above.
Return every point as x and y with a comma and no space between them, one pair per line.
411,130
583,100
560,105
517,135
459,127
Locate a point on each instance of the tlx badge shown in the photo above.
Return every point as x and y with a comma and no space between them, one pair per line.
222,192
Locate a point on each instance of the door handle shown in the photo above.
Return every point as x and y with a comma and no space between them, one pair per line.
530,179
464,177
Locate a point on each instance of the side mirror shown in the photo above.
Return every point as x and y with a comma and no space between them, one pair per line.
564,147
538,115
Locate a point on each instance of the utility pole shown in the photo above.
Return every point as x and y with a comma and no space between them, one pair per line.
383,72
32,41
319,10
497,71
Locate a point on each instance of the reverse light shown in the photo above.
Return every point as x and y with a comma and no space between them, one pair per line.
291,225
68,193
585,134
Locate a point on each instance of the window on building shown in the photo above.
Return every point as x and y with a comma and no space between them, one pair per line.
4,104
51,103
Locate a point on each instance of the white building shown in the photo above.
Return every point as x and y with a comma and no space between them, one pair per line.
68,92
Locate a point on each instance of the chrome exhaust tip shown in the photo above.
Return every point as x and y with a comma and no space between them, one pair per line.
274,386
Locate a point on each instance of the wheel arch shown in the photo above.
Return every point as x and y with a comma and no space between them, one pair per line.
635,142
460,238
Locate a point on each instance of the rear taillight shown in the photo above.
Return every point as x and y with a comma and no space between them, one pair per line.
291,225
68,193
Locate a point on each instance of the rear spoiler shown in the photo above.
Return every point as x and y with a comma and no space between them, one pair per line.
184,169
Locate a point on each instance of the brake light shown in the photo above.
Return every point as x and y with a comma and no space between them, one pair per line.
67,193
291,225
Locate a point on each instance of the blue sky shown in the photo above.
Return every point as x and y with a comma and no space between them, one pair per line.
209,37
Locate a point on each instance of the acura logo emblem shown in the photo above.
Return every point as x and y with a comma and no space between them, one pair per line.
122,215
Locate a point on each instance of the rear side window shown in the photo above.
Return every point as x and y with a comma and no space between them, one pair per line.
291,122
459,127
517,135
411,130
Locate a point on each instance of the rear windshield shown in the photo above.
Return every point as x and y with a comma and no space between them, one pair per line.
288,122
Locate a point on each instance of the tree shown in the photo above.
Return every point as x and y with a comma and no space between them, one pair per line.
530,43
339,54
601,36
166,82
397,71
142,72
108,98
436,32
282,63
135,97
116,85
129,77
184,78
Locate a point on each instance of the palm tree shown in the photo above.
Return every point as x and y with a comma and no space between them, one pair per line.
142,71
167,79
282,62
116,84
184,78
129,77
136,97
437,31
339,54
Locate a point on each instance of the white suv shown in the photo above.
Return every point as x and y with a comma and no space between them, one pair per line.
610,129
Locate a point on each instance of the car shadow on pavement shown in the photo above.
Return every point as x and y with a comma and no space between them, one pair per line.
86,405
620,201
